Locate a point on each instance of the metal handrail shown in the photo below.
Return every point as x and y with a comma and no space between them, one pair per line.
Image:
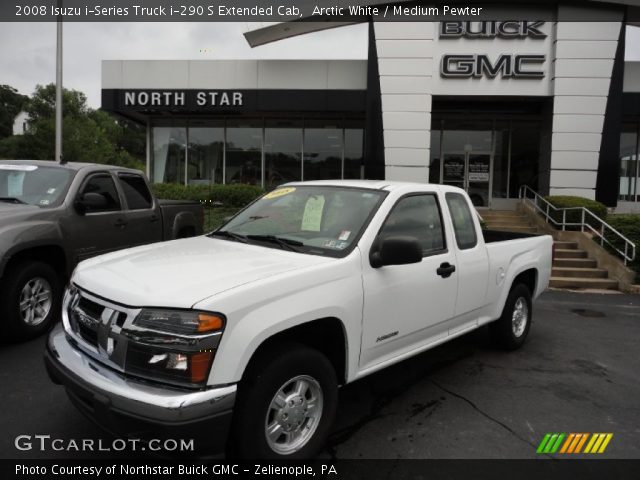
543,206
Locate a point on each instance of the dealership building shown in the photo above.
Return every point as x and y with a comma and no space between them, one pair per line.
487,106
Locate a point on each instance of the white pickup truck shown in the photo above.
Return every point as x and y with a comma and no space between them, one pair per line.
245,334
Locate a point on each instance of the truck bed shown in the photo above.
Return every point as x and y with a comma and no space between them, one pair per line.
492,236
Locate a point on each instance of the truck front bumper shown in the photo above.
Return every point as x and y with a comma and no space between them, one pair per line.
125,406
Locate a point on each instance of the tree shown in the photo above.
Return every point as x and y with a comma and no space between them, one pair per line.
11,103
88,135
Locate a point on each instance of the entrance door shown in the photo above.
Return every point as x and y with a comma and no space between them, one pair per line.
470,171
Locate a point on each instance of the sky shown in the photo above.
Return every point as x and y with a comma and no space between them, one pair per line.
27,50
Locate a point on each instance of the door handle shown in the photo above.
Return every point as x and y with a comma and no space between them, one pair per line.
445,269
154,218
120,223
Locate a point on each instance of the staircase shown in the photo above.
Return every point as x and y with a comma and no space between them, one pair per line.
507,220
572,267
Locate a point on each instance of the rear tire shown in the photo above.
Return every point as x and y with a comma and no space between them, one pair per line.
286,404
510,331
29,300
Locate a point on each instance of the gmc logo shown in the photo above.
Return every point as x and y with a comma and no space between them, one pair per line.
507,66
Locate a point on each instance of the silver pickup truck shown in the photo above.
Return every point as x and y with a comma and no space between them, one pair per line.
53,216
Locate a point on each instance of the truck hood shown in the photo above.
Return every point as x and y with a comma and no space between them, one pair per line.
181,273
11,213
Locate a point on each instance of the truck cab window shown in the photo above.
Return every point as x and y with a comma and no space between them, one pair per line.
135,191
103,185
417,216
463,224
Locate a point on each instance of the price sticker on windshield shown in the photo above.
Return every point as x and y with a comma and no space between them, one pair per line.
280,192
312,217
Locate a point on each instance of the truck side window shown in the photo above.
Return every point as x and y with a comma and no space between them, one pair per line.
135,191
417,216
102,184
463,225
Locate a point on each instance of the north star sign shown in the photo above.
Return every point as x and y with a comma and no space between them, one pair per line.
169,99
506,65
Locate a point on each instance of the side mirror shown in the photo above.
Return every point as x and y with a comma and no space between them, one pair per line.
396,251
90,201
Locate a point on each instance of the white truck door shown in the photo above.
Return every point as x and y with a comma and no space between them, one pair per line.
406,306
473,262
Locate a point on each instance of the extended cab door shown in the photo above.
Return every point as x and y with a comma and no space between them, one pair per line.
101,229
472,262
406,306
142,212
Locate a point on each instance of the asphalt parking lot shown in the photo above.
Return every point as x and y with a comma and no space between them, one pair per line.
578,372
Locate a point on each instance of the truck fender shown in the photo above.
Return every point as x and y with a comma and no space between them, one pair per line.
518,266
39,234
181,221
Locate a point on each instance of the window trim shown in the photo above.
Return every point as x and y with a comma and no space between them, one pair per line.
115,184
453,223
119,175
432,253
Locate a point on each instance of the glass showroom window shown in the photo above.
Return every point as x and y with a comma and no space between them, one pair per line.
206,152
169,154
322,152
353,156
282,152
629,164
244,152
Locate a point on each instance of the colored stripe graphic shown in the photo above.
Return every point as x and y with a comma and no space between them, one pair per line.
573,443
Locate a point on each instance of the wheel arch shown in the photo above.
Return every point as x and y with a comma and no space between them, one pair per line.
51,254
327,335
528,278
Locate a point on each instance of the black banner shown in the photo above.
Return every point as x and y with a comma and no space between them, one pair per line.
304,10
543,469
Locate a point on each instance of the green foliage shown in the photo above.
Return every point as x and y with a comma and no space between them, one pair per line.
565,201
11,103
629,226
88,135
42,104
232,195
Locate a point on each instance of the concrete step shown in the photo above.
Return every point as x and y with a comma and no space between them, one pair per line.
578,272
507,221
570,282
570,253
575,262
513,228
500,213
566,245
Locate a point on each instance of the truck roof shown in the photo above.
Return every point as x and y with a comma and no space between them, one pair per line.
69,165
373,184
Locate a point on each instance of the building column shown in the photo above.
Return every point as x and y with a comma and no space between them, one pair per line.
582,69
405,64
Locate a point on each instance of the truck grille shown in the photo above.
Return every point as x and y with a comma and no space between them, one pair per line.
97,326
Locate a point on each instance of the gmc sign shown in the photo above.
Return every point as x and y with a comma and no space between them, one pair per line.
505,65
475,66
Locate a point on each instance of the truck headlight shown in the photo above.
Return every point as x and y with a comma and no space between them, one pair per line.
174,346
181,322
182,368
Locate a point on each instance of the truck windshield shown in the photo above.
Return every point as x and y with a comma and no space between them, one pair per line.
33,184
320,220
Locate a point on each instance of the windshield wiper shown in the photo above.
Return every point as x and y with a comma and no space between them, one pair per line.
285,243
12,200
228,234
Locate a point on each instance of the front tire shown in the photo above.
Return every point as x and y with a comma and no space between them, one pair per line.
286,404
511,329
29,300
